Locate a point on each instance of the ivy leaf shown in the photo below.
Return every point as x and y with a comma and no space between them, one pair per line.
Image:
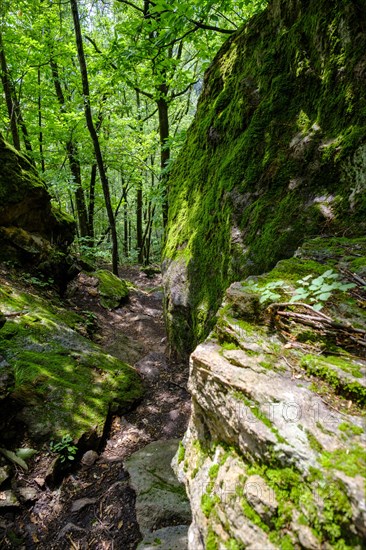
317,307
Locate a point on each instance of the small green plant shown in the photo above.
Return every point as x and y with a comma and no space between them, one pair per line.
318,290
267,292
36,281
90,321
65,448
313,289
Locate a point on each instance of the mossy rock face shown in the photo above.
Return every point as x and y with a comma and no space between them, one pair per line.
32,230
112,290
63,383
277,152
25,201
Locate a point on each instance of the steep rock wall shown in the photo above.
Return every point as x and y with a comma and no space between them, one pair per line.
277,152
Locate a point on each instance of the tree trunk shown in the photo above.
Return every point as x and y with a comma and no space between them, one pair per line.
164,147
139,211
72,155
125,219
93,178
139,196
40,134
9,96
94,135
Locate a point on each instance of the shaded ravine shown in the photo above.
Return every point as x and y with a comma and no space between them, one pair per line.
94,507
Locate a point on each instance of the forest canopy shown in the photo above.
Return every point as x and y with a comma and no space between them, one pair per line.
99,95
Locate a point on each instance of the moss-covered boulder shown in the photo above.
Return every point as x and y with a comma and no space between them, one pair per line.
277,152
112,290
62,382
32,230
275,453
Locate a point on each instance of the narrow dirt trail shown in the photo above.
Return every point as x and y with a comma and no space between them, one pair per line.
94,507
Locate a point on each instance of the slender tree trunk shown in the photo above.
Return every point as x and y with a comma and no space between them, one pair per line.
125,218
72,155
139,211
40,134
27,143
163,110
13,107
94,135
93,178
9,96
139,196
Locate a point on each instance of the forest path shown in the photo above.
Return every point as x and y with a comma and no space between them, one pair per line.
94,507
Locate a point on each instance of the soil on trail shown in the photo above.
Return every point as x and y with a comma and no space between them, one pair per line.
94,506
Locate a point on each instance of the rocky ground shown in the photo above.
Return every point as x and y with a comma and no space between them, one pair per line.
94,505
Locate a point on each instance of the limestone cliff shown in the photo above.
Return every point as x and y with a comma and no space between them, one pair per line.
274,456
277,152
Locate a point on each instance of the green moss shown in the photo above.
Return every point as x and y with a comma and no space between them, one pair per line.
233,544
287,543
62,217
350,429
351,461
208,502
181,452
212,541
213,472
322,367
229,346
67,383
252,515
271,152
314,443
112,289
258,414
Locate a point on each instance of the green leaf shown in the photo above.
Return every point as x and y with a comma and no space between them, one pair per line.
298,296
304,279
347,286
14,458
323,297
25,453
317,307
318,281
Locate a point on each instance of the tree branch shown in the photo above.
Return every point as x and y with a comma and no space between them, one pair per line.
201,25
147,94
132,5
94,44
173,96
